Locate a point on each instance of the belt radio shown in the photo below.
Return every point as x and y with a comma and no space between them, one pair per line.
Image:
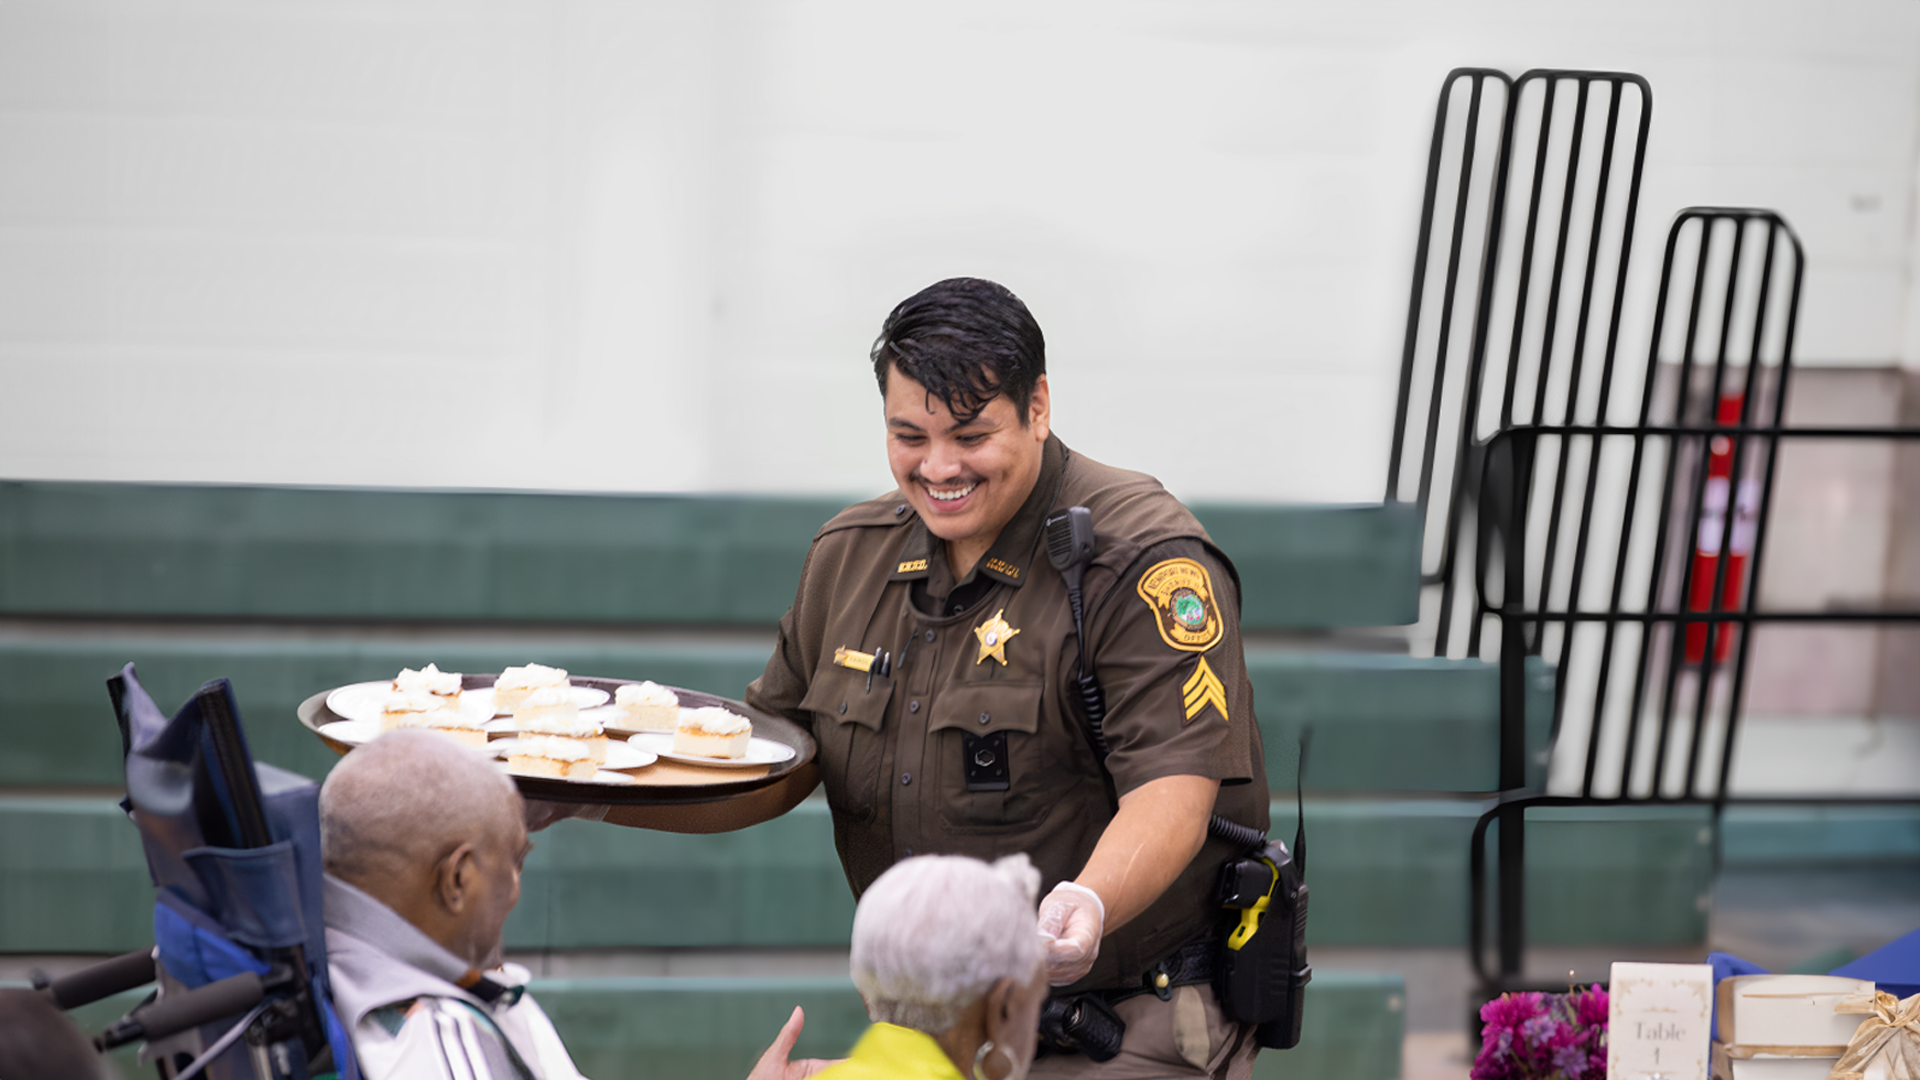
1261,970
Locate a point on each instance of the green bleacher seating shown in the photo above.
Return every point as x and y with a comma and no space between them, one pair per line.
1384,872
1388,722
149,550
53,701
288,591
1382,722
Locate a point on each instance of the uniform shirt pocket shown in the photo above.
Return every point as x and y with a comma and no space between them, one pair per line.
847,718
987,749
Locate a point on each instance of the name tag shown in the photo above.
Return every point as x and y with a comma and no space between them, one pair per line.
858,661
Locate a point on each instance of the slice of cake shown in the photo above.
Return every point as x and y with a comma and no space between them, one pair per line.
551,710
516,683
411,708
457,726
712,732
647,706
444,685
550,755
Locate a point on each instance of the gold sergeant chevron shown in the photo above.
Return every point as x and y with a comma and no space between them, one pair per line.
1203,688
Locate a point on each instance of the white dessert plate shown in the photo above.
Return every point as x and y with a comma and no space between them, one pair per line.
351,732
584,696
619,754
360,732
759,751
600,776
368,700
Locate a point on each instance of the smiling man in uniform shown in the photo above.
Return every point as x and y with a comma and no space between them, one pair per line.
932,652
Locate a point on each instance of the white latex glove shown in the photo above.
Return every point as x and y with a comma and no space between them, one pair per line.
1072,918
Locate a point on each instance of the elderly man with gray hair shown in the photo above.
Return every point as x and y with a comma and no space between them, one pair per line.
423,841
948,957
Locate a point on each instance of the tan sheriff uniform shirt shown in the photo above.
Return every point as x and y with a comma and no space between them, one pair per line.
953,751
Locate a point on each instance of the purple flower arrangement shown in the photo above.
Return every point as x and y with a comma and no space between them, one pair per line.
1534,1036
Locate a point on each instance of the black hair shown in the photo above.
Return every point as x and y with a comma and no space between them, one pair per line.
967,341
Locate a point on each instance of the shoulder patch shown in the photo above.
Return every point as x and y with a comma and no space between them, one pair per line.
1181,596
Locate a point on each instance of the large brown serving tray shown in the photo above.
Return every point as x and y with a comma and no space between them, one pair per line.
677,798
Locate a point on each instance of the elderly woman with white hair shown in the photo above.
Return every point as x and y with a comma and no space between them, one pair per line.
948,957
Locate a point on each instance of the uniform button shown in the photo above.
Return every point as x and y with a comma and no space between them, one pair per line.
906,778
913,706
843,708
929,635
957,609
984,718
897,511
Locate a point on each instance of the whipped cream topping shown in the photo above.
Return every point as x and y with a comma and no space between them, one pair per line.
547,699
714,720
450,718
552,746
645,693
429,679
531,675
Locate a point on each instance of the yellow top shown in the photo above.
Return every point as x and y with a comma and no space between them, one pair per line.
890,1052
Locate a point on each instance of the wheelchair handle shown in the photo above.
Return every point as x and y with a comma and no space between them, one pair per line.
180,1011
102,980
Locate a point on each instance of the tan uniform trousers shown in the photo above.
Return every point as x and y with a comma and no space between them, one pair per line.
1182,1039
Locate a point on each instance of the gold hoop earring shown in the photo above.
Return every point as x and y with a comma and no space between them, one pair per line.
980,1059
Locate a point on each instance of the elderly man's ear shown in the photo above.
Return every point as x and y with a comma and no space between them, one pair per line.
456,879
459,909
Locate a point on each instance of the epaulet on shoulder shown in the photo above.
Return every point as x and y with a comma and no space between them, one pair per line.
1106,483
884,511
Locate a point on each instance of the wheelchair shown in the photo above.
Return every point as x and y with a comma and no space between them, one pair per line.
239,962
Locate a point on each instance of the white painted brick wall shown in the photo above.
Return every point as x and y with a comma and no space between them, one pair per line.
644,246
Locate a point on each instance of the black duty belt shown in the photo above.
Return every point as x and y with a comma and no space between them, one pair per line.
1191,963
1086,1023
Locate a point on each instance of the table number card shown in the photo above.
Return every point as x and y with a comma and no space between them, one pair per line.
1659,1021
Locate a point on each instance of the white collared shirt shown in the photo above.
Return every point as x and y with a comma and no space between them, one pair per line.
400,995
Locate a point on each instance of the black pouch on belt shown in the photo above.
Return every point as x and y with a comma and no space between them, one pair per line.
1082,1023
1263,972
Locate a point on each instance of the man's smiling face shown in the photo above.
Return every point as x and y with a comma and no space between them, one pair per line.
966,480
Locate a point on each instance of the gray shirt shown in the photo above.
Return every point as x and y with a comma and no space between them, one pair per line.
416,1011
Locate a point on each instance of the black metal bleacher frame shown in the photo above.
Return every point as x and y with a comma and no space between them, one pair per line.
1528,602
1475,472
1443,439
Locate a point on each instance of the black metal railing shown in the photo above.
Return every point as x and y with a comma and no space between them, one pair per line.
1605,522
1545,149
1666,519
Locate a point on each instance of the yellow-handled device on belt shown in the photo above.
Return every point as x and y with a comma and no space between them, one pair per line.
1263,971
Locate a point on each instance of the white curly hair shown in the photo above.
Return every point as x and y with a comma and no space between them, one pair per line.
934,933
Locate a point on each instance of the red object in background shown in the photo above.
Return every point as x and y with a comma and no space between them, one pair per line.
1706,545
